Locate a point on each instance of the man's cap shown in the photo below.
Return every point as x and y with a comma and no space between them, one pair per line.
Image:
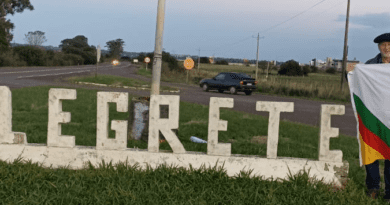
382,38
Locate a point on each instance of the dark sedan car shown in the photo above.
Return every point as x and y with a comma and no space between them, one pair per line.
233,82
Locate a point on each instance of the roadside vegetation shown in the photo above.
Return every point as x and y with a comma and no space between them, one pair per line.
303,82
28,183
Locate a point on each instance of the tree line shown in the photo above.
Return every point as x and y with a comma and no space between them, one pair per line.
74,51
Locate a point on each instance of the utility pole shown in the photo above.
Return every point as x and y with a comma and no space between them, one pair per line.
267,70
345,47
198,60
257,53
155,88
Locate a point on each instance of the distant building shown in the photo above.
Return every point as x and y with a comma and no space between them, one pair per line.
338,64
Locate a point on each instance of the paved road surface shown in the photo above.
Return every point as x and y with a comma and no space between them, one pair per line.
305,111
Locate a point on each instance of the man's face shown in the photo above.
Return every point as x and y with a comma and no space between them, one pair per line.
384,47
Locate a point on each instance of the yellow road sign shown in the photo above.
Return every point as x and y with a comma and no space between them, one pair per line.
189,63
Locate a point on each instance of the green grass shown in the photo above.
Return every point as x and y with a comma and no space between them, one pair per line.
31,184
115,81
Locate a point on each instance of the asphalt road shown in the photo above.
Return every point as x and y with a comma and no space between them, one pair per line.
305,111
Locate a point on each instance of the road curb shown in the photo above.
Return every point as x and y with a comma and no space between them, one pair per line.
128,87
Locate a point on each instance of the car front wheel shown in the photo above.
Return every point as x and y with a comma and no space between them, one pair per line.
233,90
205,87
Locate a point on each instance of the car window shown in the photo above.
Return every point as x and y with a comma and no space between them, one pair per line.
233,76
243,75
220,77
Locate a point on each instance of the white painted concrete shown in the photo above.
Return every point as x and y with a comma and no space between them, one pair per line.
61,150
6,134
274,109
157,124
79,156
327,132
57,117
120,126
215,125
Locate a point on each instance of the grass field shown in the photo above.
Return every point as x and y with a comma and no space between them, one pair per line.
31,184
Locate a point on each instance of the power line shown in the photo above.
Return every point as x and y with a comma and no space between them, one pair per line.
229,44
293,17
272,27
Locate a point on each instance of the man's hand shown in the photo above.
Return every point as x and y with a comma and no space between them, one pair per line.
350,67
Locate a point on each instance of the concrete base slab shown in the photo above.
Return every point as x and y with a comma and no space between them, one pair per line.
79,156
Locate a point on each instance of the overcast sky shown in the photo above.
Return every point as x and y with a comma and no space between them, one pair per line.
292,29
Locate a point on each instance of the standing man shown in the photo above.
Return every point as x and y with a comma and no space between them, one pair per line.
372,170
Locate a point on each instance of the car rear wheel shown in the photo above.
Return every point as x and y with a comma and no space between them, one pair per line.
248,92
220,90
205,87
233,90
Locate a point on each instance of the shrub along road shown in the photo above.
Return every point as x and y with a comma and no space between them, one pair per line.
305,111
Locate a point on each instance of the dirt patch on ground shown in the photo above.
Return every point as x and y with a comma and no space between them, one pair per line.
195,122
259,140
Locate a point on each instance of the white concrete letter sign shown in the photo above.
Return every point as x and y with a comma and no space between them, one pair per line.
57,117
274,109
6,134
327,132
61,150
213,147
164,125
120,126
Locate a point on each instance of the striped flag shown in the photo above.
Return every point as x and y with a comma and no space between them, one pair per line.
370,96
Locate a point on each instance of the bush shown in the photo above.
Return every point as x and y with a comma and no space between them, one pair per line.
290,68
59,60
33,56
9,58
204,60
73,59
222,62
331,70
314,69
166,57
306,70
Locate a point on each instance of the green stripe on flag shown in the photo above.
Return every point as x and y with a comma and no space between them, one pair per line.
371,122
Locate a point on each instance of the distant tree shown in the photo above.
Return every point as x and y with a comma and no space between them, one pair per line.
141,57
10,7
314,69
306,70
36,38
115,47
331,70
263,65
31,55
222,62
290,68
204,60
166,57
79,46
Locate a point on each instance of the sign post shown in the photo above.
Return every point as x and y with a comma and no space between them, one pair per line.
147,60
98,52
188,64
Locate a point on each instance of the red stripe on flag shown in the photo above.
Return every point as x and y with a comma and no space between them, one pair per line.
373,140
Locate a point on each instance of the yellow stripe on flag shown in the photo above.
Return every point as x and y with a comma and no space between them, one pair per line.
369,155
